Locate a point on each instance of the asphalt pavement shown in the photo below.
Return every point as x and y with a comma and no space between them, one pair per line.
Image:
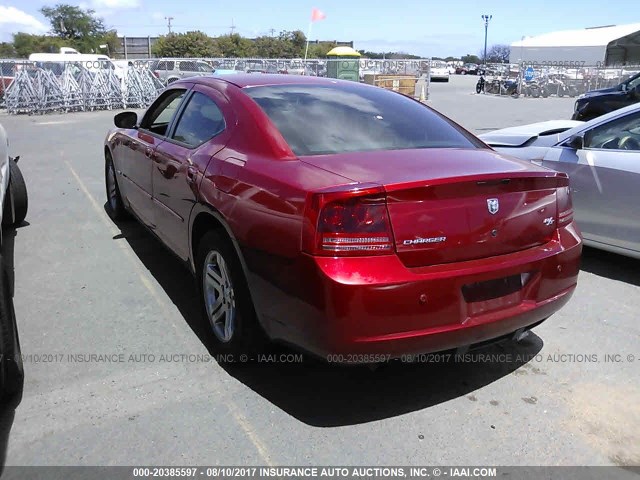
119,372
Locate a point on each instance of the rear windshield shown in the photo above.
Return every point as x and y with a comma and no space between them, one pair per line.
319,120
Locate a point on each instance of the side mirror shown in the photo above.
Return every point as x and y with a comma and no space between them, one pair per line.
576,142
126,120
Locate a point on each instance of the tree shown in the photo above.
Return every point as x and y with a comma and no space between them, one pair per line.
7,50
320,50
70,27
25,44
78,28
186,45
292,44
468,58
233,45
112,41
387,55
73,23
267,47
498,54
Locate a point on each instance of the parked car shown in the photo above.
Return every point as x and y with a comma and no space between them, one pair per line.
439,71
92,62
471,69
225,71
464,69
345,219
594,103
13,195
170,70
602,159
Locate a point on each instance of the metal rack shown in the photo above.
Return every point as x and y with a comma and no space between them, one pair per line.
72,87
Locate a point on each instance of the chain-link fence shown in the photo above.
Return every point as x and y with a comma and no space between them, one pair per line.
544,80
40,87
171,69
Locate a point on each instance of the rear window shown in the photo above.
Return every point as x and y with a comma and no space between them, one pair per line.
319,120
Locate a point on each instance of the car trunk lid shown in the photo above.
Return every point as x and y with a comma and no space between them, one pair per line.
457,204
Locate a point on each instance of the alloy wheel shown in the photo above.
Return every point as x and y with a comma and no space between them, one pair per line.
111,187
219,296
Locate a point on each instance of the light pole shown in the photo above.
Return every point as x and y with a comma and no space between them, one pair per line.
486,19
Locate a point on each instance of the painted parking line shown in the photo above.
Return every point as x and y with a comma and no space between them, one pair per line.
240,419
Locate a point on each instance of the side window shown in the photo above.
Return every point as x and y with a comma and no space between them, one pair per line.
203,67
634,84
200,121
164,65
187,66
620,134
159,115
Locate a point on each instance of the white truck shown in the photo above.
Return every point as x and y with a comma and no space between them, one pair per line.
89,61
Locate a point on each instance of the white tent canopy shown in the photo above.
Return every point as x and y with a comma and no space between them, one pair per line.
609,45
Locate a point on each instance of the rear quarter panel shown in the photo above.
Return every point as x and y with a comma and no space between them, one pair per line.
259,188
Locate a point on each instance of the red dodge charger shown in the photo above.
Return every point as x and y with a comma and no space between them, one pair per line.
342,218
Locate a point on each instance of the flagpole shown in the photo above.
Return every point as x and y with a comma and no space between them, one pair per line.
306,50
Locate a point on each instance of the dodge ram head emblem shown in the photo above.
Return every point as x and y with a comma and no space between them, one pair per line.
493,205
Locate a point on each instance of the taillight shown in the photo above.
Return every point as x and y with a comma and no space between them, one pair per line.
565,206
348,223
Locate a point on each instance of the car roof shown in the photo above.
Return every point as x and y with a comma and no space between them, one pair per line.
243,80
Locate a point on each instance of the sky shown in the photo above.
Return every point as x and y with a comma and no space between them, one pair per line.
420,27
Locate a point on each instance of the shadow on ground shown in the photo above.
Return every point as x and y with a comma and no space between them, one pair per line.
611,265
325,395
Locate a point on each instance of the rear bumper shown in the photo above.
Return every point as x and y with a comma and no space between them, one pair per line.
350,307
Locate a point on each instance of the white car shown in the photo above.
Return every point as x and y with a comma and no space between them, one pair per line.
602,159
439,71
13,194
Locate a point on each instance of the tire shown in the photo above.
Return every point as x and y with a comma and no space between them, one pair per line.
11,366
545,92
115,205
225,293
535,92
478,88
18,197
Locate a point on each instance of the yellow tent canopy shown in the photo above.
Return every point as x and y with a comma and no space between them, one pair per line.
343,52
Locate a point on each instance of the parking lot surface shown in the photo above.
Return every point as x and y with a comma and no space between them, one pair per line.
85,286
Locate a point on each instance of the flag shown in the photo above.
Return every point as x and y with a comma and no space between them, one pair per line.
317,15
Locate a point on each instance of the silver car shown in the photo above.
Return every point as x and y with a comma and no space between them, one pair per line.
13,200
169,70
602,158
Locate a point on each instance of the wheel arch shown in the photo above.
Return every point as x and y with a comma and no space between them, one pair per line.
203,219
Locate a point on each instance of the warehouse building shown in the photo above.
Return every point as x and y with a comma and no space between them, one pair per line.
610,45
